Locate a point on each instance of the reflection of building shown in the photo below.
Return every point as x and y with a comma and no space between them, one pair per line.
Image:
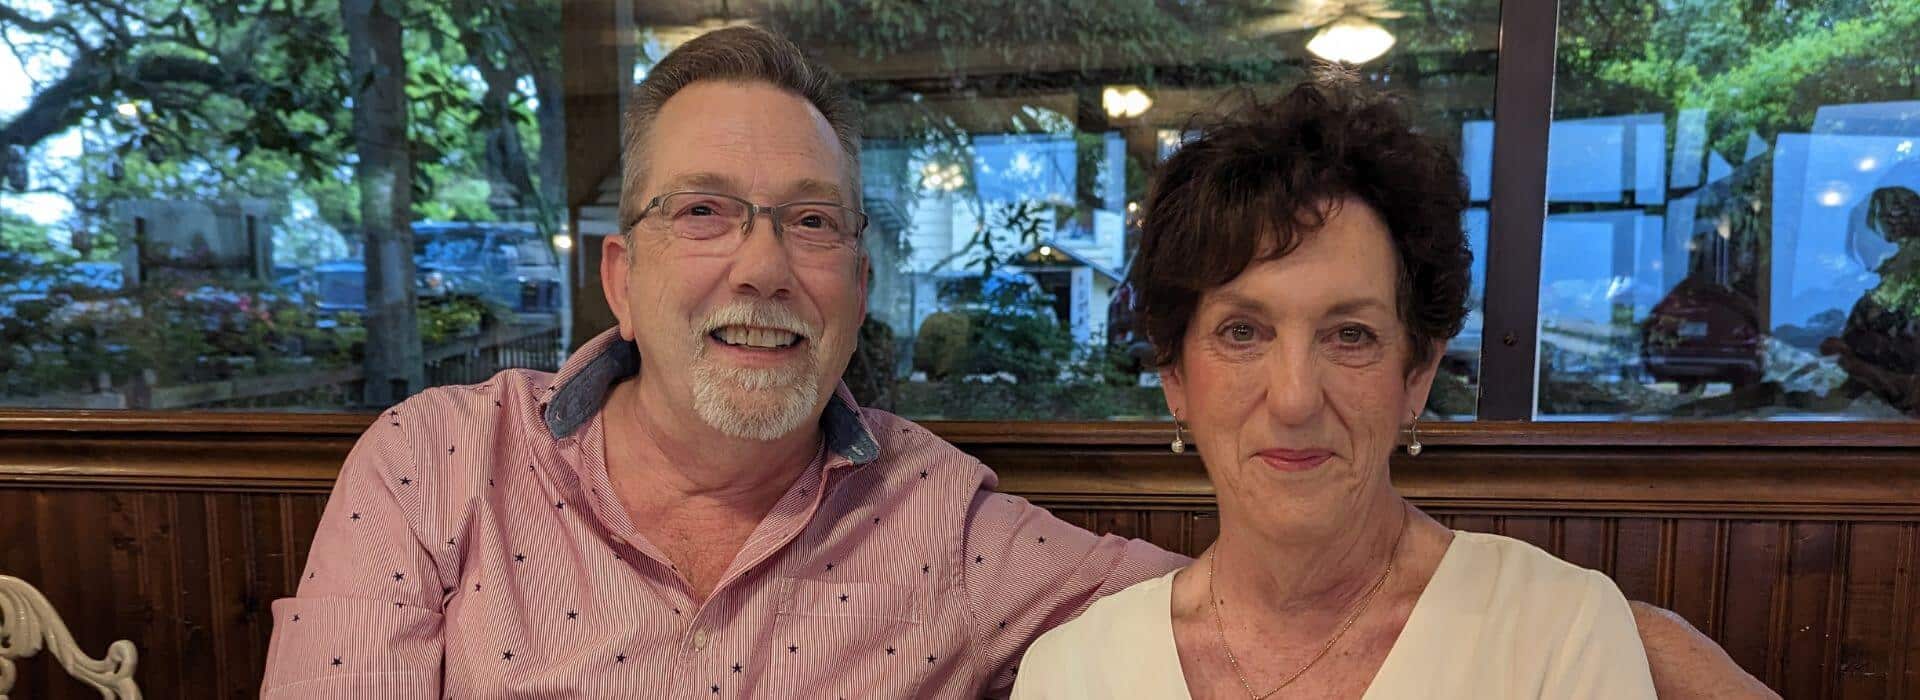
1015,195
228,238
1080,288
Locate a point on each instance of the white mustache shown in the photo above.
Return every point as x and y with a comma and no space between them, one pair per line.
758,314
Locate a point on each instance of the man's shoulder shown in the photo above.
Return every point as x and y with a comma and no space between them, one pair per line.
907,445
459,429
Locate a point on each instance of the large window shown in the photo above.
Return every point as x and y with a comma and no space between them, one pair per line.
1733,229
250,205
246,204
1006,154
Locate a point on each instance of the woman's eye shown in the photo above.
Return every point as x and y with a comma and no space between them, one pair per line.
1352,335
1240,333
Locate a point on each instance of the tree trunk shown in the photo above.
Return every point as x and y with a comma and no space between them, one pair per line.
385,177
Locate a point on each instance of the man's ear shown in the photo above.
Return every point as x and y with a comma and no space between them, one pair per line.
616,261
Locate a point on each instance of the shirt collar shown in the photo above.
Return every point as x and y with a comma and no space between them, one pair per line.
580,390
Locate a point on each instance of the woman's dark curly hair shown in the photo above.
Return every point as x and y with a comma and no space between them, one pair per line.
1254,183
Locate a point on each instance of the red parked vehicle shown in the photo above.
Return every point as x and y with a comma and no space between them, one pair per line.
1703,332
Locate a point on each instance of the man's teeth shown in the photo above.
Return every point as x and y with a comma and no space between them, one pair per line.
755,337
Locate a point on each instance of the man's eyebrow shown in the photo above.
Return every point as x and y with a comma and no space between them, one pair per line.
814,189
701,181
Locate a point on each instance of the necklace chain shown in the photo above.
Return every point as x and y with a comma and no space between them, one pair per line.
1220,629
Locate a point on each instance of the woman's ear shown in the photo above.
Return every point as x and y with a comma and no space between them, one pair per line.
1174,388
1420,380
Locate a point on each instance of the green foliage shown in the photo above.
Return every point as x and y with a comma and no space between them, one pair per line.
940,349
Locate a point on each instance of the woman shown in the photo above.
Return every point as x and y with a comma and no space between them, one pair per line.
1301,269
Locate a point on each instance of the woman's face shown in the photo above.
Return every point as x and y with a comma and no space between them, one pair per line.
1294,379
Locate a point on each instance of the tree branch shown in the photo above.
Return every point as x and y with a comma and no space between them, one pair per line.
13,17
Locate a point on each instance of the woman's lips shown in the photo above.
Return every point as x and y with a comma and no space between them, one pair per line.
1295,460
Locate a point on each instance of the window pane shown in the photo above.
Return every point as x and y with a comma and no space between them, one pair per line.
1732,226
1004,158
181,216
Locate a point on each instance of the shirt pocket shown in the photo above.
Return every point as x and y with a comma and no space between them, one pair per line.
807,598
851,639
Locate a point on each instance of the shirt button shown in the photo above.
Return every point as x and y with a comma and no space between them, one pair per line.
700,639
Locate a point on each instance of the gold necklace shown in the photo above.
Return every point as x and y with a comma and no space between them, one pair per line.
1220,629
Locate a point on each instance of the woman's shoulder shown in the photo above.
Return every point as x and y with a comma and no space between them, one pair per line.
1517,568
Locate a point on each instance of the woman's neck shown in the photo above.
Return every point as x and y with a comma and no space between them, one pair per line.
1278,573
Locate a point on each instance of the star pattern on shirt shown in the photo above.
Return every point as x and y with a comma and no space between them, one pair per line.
573,615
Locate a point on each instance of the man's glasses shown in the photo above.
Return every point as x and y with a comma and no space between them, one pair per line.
807,227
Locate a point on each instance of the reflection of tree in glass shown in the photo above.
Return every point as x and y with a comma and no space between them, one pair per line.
1880,347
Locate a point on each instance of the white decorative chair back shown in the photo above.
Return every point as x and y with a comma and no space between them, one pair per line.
28,623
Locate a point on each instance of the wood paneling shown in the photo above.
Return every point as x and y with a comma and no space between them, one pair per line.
178,532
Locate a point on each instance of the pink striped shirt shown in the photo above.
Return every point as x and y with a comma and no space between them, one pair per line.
474,547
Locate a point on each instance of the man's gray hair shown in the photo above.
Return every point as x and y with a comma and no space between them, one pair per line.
734,54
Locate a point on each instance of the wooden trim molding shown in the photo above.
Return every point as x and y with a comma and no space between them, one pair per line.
1802,470
1903,434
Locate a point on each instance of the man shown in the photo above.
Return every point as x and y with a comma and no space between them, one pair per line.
694,506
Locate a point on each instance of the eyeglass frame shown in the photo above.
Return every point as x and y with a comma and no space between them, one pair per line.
754,211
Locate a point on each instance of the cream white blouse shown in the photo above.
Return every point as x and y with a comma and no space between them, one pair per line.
1499,619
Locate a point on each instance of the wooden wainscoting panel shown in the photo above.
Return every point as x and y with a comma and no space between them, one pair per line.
1637,555
1793,546
188,577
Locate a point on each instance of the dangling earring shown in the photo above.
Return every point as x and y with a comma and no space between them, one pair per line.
1413,437
1179,444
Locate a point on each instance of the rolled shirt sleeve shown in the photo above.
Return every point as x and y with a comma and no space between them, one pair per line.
367,620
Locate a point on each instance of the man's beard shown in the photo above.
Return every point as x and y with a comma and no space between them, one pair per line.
753,403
